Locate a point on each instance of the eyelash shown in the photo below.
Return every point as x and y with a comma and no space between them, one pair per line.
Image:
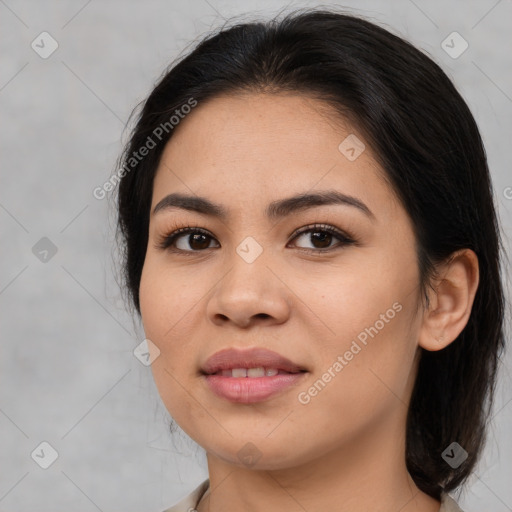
166,241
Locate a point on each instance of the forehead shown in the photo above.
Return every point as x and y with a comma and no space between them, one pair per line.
266,144
258,122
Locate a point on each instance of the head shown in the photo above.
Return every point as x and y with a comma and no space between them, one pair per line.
328,123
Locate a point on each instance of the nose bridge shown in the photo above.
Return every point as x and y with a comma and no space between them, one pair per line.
248,278
248,290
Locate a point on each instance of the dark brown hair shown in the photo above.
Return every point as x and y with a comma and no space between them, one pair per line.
430,148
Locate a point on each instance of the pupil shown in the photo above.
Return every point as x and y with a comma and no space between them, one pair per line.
322,237
196,237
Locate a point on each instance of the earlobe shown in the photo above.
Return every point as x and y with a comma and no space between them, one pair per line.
451,301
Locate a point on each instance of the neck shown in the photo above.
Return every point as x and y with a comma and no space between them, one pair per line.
366,474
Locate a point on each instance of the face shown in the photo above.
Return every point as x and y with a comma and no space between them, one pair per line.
331,285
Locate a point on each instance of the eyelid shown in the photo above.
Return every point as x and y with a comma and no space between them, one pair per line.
343,235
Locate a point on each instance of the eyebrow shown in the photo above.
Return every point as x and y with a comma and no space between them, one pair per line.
275,210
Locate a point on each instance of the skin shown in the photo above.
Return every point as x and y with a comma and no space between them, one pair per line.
345,449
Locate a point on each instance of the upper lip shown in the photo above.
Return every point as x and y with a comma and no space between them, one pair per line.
248,358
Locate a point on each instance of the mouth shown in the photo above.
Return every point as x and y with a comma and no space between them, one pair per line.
258,371
250,376
256,362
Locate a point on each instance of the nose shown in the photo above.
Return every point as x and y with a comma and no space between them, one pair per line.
249,294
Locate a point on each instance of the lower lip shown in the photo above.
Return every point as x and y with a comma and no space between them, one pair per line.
249,390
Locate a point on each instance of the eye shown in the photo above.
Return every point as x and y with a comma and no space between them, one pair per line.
196,239
321,236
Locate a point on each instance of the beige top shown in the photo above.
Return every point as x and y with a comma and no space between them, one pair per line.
190,502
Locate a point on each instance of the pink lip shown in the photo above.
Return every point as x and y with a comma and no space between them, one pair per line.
250,389
250,358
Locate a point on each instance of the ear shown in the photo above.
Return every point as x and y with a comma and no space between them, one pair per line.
450,301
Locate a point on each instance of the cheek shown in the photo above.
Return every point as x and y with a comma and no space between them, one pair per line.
164,305
367,311
168,302
347,298
167,311
358,384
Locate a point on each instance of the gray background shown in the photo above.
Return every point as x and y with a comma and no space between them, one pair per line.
68,373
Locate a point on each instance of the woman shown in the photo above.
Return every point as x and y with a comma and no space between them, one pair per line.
312,245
